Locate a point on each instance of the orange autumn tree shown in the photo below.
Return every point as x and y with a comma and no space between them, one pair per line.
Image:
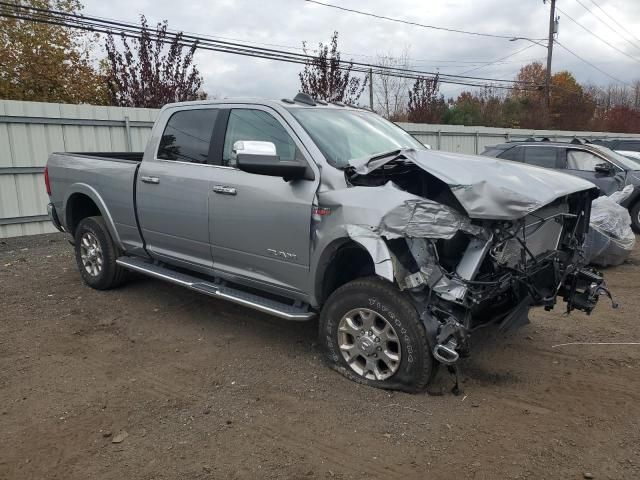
528,94
46,62
571,107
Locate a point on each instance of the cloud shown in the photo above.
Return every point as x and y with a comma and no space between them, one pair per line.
289,22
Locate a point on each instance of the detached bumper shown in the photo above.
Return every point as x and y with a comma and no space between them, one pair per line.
53,216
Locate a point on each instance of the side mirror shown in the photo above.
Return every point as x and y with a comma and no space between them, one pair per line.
261,158
604,168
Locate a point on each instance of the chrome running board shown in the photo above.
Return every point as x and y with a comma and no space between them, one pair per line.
251,300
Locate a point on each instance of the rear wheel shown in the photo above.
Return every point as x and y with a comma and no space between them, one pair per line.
635,217
96,255
373,335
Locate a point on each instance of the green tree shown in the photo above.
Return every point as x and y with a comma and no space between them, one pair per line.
45,62
465,110
485,108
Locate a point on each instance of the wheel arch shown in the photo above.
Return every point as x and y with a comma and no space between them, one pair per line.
346,259
84,201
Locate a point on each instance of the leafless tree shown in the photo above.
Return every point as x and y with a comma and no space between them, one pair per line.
391,92
635,88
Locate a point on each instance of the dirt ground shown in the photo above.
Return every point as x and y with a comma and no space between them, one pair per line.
204,389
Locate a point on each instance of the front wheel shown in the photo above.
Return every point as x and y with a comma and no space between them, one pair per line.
372,334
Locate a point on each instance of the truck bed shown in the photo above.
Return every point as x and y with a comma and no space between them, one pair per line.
108,179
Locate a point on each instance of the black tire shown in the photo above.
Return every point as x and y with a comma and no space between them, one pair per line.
416,365
635,216
110,275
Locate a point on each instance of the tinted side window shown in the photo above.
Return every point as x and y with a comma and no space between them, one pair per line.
492,152
629,145
541,156
513,153
245,124
187,136
582,160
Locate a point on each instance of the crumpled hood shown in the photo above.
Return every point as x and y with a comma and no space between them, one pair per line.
486,187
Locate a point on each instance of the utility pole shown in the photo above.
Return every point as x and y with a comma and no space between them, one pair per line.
547,81
371,89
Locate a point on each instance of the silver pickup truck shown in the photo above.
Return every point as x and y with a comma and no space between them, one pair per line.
301,208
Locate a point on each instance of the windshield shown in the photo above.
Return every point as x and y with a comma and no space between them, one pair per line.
633,156
342,135
621,159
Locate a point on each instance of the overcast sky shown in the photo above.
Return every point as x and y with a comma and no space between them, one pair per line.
289,22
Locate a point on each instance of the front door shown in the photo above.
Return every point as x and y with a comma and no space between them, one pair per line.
260,225
582,163
173,190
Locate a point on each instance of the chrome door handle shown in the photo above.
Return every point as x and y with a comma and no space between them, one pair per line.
224,190
154,180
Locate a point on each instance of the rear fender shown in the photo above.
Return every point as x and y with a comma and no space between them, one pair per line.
92,193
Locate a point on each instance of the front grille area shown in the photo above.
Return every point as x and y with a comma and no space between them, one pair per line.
540,235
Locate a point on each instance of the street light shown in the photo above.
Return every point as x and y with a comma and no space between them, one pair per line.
514,39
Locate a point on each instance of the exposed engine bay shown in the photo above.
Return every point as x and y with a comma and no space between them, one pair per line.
464,273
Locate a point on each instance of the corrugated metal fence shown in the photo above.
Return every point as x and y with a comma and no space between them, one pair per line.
30,131
462,139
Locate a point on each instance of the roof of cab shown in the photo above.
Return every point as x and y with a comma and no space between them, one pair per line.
532,142
299,101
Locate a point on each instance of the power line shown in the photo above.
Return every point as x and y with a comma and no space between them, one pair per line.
607,25
615,21
597,36
96,24
589,63
498,60
432,61
407,22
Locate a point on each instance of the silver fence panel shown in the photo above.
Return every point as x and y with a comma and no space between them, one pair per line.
30,131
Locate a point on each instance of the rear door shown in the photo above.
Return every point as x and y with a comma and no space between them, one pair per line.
173,189
582,163
261,225
546,156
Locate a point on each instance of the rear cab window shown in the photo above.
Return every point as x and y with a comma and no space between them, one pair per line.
187,136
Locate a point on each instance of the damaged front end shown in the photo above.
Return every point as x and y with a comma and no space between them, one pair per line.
464,273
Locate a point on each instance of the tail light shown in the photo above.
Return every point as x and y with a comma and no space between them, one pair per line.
46,181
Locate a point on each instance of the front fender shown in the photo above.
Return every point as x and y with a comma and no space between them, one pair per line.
326,244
